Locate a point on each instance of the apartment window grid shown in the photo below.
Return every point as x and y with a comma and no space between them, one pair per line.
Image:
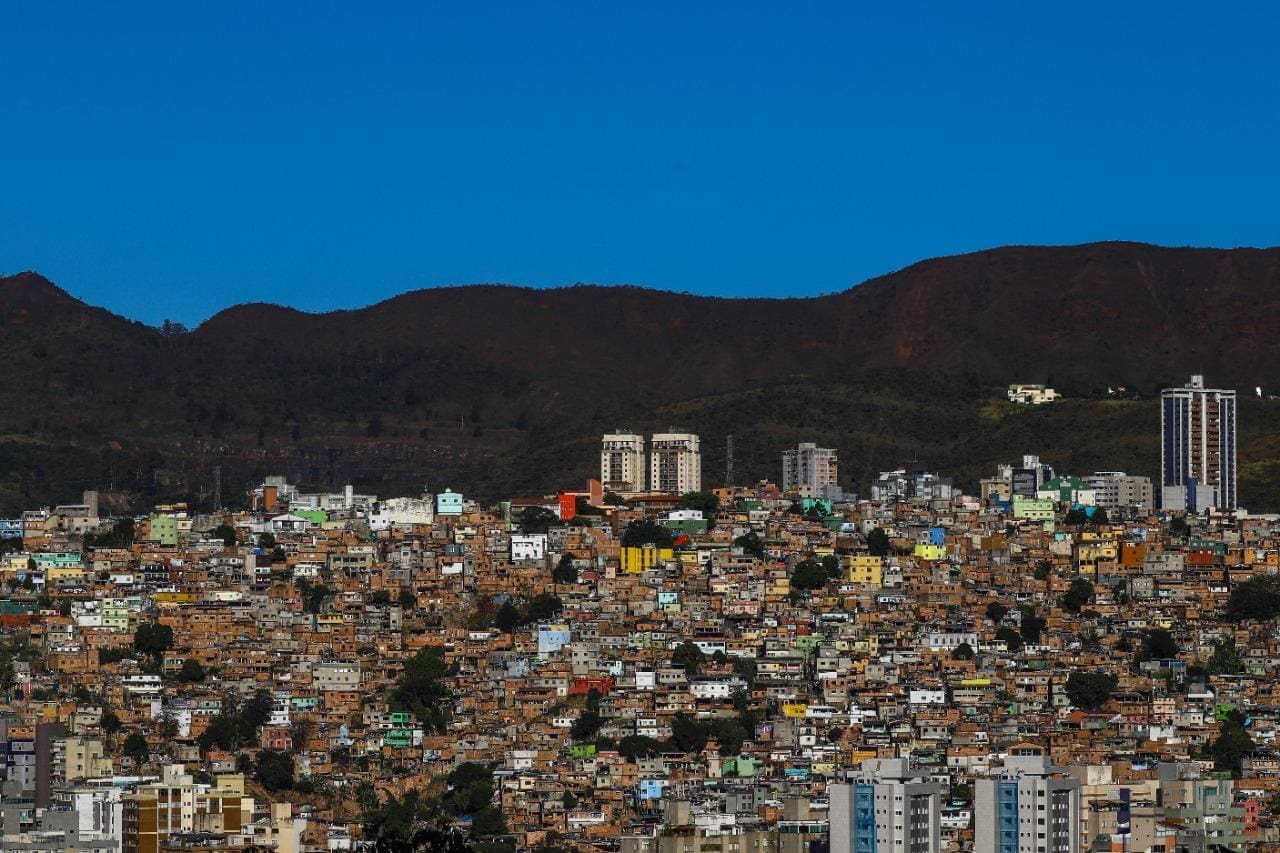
615,467
668,470
1060,819
864,818
920,825
1007,815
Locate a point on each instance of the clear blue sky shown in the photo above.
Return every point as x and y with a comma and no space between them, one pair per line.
170,159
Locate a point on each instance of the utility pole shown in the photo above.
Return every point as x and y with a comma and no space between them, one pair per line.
728,461
217,487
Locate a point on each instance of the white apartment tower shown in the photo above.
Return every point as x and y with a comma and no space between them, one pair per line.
809,470
886,807
1197,447
675,463
1030,807
622,462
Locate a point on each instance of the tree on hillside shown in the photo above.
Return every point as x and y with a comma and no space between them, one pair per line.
470,788
225,731
542,607
1076,516
433,837
1257,598
750,543
508,617
1232,745
809,575
226,533
407,823
313,596
589,721
633,747
1225,659
708,503
110,721
536,519
274,770
135,747
257,711
583,508
487,822
153,639
996,612
564,572
645,532
1158,644
745,668
687,734
423,690
1090,690
689,657
1077,595
1032,625
831,565
8,674
1010,638
878,543
729,734
191,672
119,536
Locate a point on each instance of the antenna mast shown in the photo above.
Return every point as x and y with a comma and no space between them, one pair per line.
728,461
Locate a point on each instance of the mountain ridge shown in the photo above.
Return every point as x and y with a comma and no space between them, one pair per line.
465,383
29,277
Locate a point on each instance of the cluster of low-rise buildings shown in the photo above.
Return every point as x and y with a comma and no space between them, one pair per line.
744,670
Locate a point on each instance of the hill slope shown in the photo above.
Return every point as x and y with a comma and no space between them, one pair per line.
498,387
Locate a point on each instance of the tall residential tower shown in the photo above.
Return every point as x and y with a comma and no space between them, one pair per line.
675,463
622,462
886,807
1197,447
1030,807
809,470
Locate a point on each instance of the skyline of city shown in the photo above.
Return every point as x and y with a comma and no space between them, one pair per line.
590,428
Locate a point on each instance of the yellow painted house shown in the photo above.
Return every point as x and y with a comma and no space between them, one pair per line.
867,643
1089,554
637,560
865,569
176,597
926,551
54,574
